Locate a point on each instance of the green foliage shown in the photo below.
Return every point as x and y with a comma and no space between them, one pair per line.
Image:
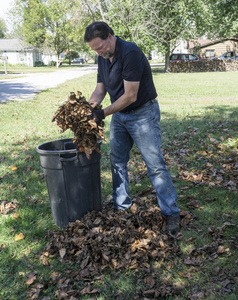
166,23
52,63
151,24
224,18
34,28
70,55
39,64
3,28
45,23
57,23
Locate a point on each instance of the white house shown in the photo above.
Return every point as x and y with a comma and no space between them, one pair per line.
18,52
181,47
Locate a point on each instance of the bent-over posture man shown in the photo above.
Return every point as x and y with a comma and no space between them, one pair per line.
124,72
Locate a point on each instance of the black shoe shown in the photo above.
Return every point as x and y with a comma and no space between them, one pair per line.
172,224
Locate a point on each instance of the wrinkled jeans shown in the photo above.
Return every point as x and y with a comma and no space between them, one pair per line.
141,127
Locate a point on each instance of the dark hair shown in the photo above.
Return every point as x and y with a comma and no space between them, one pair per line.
97,29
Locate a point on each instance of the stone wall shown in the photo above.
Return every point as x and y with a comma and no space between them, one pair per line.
214,65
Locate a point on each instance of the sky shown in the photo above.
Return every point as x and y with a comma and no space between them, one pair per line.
5,6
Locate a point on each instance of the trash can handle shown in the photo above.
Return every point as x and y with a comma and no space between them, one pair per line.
68,159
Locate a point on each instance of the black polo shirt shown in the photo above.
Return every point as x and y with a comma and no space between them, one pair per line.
130,64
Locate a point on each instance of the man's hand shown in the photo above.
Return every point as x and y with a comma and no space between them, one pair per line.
98,116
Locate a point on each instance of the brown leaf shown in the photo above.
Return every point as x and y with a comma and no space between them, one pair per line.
44,261
62,252
84,262
149,281
30,280
149,292
55,276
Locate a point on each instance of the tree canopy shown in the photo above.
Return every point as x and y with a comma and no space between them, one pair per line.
152,24
3,28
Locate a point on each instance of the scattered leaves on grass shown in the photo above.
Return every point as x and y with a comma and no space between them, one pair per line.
214,165
76,115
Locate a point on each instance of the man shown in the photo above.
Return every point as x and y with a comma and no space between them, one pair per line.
124,72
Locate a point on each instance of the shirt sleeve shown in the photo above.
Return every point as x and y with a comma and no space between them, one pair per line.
133,66
98,78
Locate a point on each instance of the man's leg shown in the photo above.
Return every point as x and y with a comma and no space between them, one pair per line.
121,144
145,131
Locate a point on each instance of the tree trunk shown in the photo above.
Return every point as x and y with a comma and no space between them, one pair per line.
167,54
167,61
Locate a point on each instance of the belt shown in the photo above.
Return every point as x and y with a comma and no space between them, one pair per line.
150,102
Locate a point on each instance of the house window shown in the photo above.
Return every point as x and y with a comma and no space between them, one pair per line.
210,53
21,56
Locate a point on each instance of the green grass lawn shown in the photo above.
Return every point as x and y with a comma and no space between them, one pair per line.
199,139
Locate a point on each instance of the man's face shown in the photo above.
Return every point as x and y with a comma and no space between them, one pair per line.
102,47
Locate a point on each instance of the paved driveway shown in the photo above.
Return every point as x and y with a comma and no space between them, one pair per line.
25,88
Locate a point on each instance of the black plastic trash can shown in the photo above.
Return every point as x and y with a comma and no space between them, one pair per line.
73,180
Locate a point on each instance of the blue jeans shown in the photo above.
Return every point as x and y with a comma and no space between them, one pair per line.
141,127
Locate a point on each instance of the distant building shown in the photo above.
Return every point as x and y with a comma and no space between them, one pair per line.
206,48
19,52
181,47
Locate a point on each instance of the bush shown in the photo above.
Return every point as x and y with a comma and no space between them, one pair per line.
39,63
52,63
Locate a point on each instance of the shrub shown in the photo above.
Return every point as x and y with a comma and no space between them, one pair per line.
39,63
52,63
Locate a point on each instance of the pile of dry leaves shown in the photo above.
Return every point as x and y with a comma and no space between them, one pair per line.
134,239
76,114
114,240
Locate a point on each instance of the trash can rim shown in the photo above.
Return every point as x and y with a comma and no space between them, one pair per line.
41,151
68,151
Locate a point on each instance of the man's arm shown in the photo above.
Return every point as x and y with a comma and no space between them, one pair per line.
130,95
97,95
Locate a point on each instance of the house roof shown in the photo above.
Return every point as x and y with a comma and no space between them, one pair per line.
206,42
201,43
13,45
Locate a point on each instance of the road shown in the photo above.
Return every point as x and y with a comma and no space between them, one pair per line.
25,88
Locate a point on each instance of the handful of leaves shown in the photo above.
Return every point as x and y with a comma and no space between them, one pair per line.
76,114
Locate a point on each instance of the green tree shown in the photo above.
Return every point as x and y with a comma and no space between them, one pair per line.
45,23
124,16
224,20
152,24
70,55
34,29
3,28
166,22
58,25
